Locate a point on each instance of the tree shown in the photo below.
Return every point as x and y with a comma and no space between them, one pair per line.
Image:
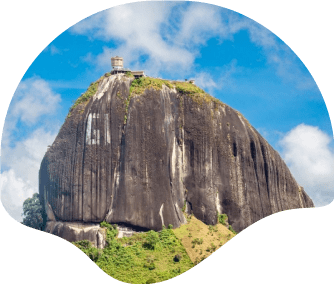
152,238
33,213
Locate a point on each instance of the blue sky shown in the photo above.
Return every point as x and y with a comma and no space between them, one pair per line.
230,56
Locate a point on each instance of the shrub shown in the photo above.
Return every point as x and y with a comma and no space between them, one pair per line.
83,244
150,265
150,281
213,247
129,74
184,206
104,224
222,218
197,241
213,229
177,258
176,270
152,238
94,254
86,246
231,229
150,259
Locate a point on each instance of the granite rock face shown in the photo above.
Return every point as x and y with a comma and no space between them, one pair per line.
140,165
75,231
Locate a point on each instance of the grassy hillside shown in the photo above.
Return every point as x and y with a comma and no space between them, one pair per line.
200,240
152,257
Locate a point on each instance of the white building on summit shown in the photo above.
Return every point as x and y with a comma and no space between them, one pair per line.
117,67
117,63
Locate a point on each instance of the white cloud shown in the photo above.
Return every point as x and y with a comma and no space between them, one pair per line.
20,180
169,35
307,152
13,192
205,81
53,49
32,99
24,145
200,22
136,29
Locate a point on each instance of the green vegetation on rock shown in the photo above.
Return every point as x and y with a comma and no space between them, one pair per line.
129,74
91,91
231,229
139,85
86,95
222,219
151,256
148,257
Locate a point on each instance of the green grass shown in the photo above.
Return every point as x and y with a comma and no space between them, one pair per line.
201,240
152,257
84,98
231,229
143,258
139,85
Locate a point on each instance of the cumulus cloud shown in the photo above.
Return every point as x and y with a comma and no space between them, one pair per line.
24,142
169,36
205,81
32,99
199,23
136,29
20,181
307,151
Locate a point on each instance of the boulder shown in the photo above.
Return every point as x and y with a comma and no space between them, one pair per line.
143,159
75,231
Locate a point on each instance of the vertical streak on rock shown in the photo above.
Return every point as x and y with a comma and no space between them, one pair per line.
67,183
61,191
80,165
254,158
99,151
94,162
74,180
279,198
240,191
266,161
110,165
87,173
69,186
73,184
